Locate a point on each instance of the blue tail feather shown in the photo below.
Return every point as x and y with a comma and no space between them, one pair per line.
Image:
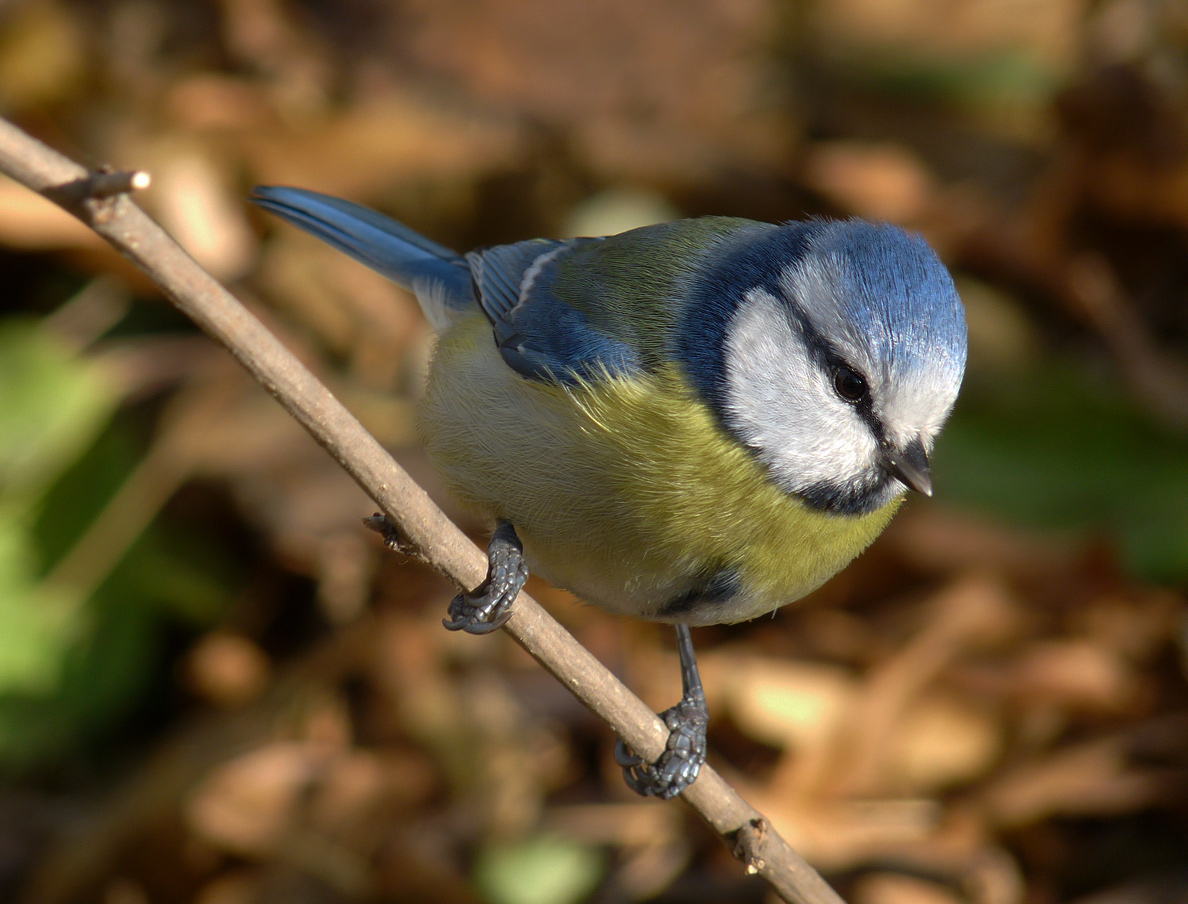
439,277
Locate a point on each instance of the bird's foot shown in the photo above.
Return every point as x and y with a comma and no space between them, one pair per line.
488,607
683,755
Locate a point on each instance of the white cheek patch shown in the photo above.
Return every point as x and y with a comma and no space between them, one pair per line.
909,405
781,404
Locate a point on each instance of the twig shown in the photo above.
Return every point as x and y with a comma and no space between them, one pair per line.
422,526
97,185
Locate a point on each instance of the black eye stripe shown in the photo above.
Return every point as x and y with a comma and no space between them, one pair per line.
819,348
828,359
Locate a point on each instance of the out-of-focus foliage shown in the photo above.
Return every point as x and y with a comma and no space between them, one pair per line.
80,638
216,687
1060,447
53,407
538,871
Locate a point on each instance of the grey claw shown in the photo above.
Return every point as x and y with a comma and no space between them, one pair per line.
488,607
625,757
680,764
476,615
684,754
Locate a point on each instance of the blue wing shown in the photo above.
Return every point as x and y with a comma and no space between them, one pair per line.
439,277
539,335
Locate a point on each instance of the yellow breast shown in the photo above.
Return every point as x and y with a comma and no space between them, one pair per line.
625,490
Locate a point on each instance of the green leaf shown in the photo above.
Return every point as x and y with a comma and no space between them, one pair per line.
36,637
52,405
540,870
71,667
101,676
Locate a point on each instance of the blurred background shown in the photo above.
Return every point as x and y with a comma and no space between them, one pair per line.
216,687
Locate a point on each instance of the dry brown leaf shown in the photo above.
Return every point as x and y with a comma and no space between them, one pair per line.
1089,779
42,55
253,804
30,222
227,669
877,181
790,705
971,613
688,92
398,138
889,888
191,198
942,740
839,835
1074,674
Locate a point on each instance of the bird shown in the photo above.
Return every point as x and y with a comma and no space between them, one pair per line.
693,422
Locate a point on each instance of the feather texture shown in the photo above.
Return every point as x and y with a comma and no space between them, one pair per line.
626,490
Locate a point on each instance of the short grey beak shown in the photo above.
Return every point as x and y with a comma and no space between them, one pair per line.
909,465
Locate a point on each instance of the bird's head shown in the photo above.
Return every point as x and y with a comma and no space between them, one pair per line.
841,352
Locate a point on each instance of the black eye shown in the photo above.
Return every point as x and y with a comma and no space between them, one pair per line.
849,384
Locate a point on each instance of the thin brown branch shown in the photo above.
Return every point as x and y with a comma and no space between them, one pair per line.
423,528
98,185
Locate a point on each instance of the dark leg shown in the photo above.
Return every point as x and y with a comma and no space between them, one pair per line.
489,605
678,766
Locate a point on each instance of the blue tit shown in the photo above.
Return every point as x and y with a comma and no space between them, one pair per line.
694,422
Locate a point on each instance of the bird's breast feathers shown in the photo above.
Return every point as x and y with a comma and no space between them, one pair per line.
625,489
